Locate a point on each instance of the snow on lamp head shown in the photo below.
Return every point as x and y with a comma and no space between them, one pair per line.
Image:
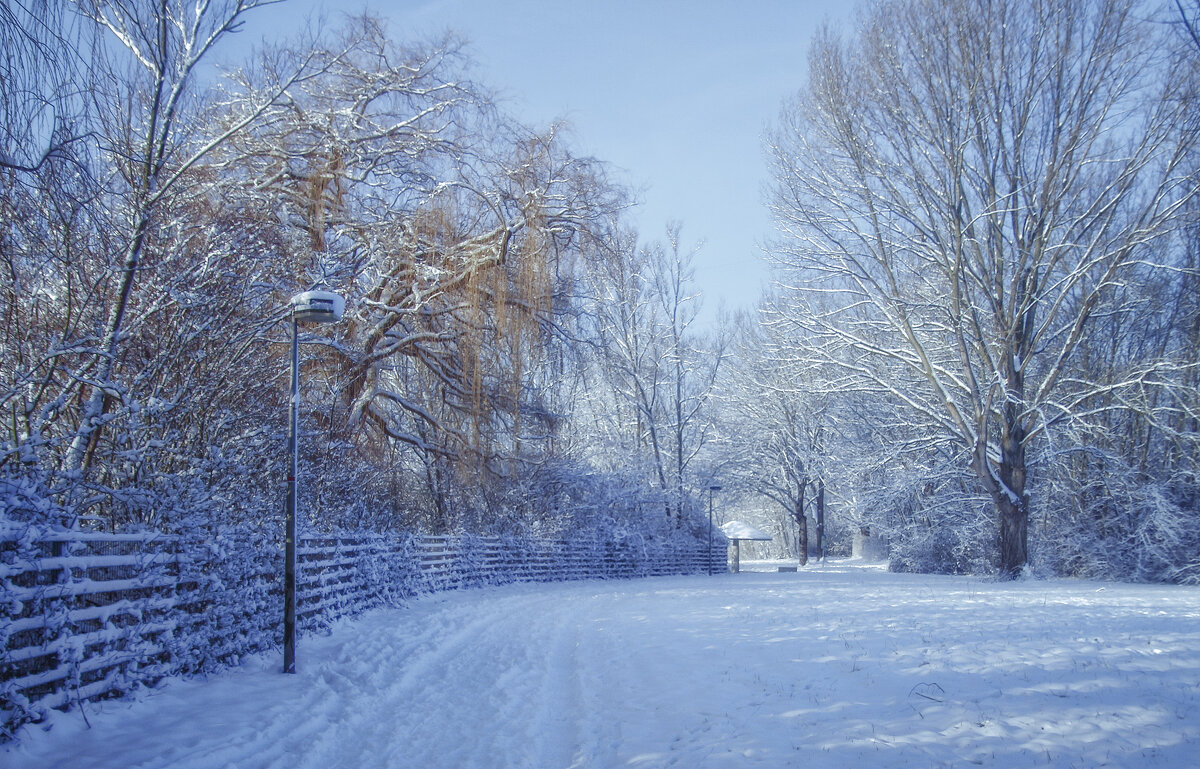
317,307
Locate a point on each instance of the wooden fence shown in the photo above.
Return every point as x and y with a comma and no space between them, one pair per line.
88,615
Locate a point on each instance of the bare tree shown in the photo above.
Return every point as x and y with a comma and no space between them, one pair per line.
660,368
775,417
147,80
692,365
972,180
1189,19
109,144
44,57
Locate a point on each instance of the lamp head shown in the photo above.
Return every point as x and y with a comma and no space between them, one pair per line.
317,307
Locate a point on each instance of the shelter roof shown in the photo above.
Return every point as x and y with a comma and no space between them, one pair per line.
742,530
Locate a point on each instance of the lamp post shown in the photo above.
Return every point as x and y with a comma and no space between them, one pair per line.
311,307
711,489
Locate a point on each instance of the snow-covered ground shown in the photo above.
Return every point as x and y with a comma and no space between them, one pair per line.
839,665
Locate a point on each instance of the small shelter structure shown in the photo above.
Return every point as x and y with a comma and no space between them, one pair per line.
737,532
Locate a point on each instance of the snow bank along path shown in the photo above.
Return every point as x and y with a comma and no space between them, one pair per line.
836,666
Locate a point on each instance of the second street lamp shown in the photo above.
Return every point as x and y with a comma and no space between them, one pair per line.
711,489
308,307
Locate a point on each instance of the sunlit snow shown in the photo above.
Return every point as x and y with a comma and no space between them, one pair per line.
838,665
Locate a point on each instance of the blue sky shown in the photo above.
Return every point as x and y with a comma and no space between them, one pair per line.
675,95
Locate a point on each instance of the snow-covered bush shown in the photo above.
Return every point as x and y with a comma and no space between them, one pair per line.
934,520
1107,520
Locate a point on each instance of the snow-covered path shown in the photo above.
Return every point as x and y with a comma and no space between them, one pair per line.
836,666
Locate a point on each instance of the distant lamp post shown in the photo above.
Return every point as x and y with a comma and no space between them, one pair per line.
308,307
711,489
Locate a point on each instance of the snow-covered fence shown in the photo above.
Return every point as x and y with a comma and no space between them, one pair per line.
339,576
79,612
468,561
88,615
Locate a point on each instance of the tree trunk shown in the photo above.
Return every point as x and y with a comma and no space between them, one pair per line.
1014,528
1011,501
802,520
820,520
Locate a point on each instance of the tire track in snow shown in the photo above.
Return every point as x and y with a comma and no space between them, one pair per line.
555,727
457,672
596,654
367,689
532,691
481,683
561,720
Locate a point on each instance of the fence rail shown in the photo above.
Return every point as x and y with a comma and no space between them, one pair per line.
87,615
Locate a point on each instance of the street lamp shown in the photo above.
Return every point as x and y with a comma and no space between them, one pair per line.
711,489
308,307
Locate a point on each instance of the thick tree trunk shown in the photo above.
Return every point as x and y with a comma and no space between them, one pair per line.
1011,501
1008,486
1014,539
